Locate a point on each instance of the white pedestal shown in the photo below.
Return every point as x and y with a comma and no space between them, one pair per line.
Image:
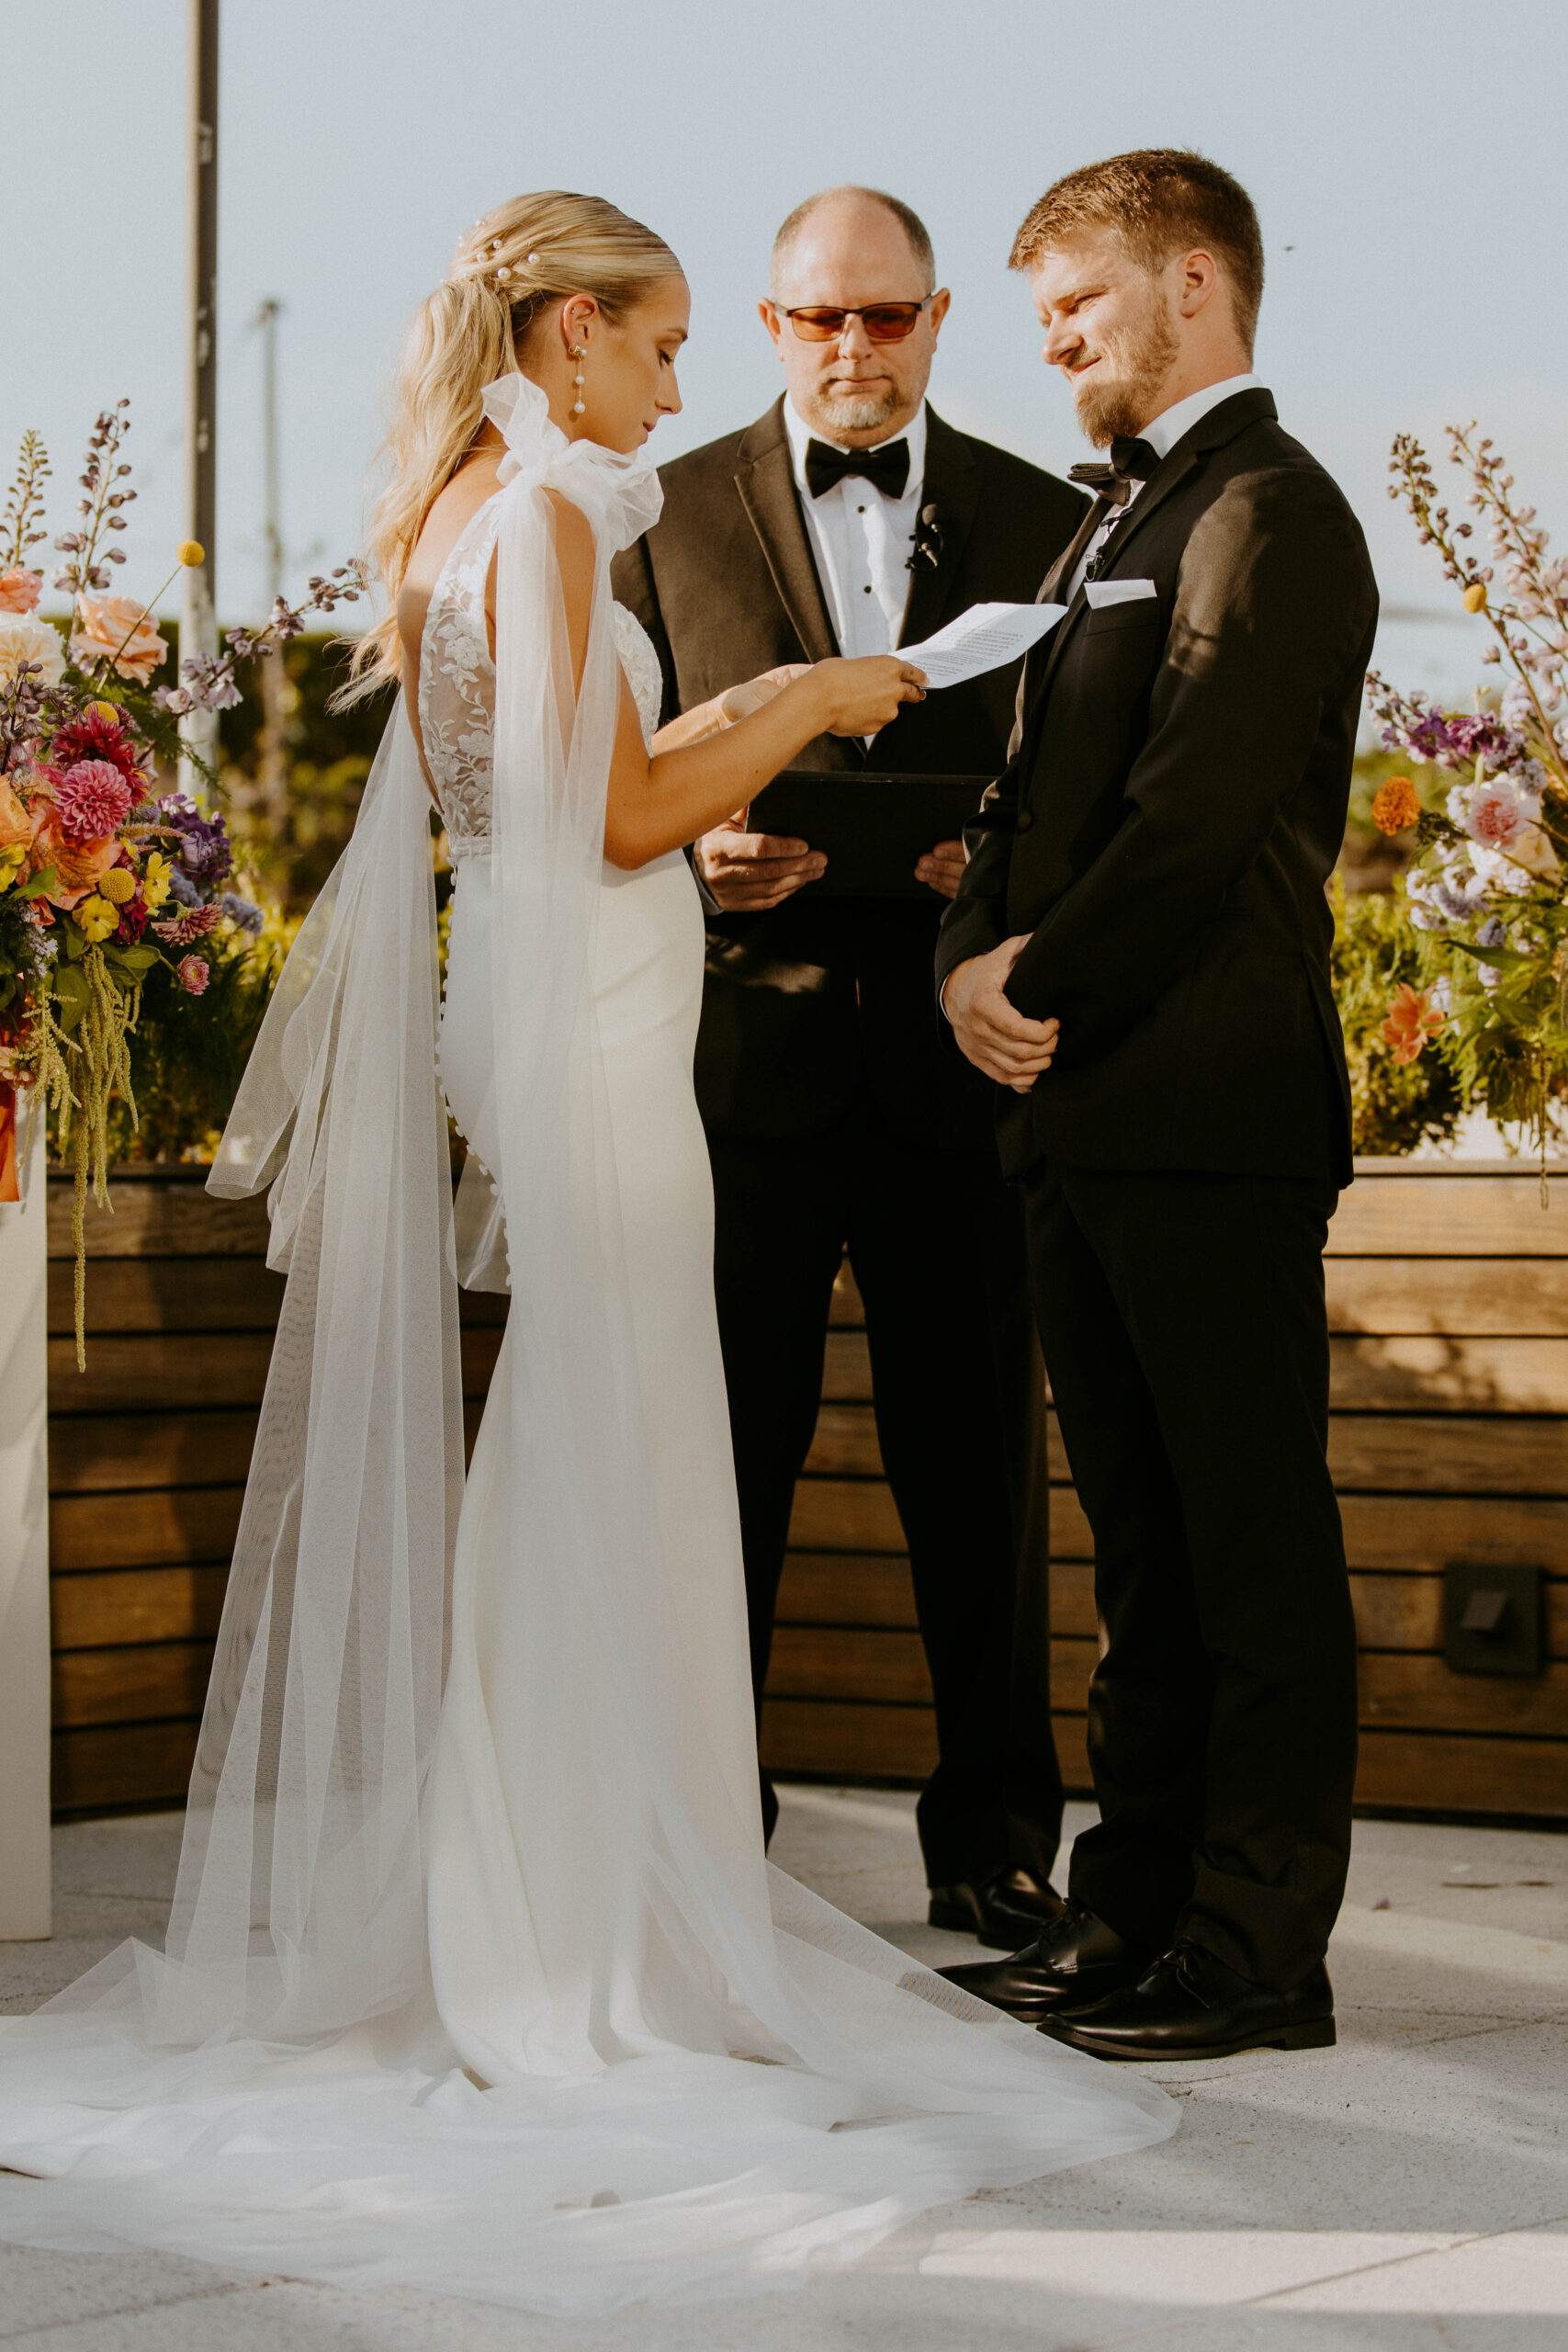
24,1559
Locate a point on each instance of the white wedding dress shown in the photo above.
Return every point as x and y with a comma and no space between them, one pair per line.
477,1978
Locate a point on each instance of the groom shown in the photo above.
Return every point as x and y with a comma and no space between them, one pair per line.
1138,955
851,519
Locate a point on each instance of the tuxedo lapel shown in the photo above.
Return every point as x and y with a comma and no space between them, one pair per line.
1212,432
949,486
765,480
1037,662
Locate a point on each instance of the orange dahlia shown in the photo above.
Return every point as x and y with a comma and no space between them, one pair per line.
1394,805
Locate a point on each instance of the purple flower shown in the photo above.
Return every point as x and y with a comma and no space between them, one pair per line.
1449,741
209,681
241,911
201,844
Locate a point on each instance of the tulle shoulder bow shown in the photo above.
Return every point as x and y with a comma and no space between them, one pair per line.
620,495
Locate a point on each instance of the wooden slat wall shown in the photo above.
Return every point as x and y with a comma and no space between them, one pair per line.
148,1452
1447,1292
1449,1302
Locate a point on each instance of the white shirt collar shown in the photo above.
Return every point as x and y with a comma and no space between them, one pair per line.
800,433
1168,429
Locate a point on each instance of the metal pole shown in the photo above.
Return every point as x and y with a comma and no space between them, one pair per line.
198,621
271,779
272,531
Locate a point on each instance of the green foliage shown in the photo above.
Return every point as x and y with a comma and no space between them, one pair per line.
188,1053
1505,1035
1392,1108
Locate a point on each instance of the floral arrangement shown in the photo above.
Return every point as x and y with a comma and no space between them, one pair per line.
1488,888
111,881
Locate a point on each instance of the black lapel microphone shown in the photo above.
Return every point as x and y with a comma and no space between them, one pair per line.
928,541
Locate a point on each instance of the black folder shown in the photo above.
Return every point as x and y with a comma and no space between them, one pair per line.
871,826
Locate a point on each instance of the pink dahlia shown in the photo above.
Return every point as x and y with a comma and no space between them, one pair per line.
179,930
191,974
94,800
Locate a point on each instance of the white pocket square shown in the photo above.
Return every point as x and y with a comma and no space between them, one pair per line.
1101,593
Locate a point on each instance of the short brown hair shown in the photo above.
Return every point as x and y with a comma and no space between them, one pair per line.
1156,201
909,221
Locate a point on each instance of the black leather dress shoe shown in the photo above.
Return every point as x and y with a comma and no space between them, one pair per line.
1074,1959
1189,2004
1003,1910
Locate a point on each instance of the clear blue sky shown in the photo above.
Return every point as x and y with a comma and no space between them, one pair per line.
1397,151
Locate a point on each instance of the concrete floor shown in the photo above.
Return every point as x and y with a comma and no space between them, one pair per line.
1405,2192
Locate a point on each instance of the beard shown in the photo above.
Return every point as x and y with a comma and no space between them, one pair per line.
848,410
1141,354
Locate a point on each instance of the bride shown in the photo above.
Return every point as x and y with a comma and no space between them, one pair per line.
477,1977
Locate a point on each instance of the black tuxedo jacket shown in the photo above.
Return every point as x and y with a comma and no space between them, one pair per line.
1173,806
799,1000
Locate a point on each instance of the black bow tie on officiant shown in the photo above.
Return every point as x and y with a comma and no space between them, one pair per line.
886,469
1131,462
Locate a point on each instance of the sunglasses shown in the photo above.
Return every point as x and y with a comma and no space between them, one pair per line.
883,321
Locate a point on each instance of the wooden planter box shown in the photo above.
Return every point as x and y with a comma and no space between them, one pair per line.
1449,1301
1447,1292
148,1452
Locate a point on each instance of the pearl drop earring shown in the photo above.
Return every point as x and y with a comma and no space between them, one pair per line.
578,352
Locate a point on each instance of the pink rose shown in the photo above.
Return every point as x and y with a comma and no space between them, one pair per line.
19,588
1496,815
192,974
116,628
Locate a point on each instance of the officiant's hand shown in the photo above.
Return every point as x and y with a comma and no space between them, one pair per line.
991,1033
748,873
941,869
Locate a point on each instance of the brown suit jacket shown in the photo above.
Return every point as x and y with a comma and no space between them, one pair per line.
799,1000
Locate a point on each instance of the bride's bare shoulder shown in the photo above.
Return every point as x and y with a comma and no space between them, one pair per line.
475,482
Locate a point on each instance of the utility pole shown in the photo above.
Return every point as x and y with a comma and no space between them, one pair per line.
198,619
272,778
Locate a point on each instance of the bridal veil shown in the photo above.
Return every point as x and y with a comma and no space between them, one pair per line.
274,2090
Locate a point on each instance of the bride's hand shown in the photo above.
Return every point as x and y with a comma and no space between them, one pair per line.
862,696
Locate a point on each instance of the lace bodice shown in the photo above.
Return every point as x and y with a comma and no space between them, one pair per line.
457,684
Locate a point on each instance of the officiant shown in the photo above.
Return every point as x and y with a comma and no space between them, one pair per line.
851,519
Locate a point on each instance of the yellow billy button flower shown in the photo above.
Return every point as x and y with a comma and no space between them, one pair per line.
1475,597
117,885
107,711
96,920
155,881
191,552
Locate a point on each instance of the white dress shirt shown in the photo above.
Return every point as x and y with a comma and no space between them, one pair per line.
1162,437
861,539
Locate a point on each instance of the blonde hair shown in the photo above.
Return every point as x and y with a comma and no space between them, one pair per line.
505,274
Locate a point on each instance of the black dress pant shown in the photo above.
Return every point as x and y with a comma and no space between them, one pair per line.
936,1242
1185,1339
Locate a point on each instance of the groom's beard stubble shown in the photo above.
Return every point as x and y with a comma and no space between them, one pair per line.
1142,354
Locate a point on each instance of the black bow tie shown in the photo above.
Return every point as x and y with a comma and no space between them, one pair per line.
886,469
1131,462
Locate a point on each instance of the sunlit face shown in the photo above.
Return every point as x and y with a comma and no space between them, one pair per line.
851,389
1110,330
629,368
